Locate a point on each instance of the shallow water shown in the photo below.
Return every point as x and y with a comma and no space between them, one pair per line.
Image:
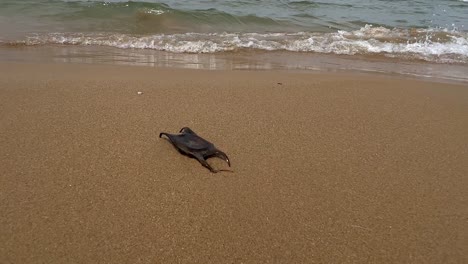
408,31
170,16
245,60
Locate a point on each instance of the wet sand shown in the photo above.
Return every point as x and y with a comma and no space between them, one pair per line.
239,60
328,168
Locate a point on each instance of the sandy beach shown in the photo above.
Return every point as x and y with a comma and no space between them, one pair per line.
328,168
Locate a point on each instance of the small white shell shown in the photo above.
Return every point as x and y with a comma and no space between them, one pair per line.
139,93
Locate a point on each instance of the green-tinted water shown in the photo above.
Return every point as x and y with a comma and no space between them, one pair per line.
434,31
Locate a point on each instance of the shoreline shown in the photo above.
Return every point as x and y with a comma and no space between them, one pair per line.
242,60
328,167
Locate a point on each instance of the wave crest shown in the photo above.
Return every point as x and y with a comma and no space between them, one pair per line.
426,44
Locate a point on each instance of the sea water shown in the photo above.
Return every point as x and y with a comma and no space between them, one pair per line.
429,31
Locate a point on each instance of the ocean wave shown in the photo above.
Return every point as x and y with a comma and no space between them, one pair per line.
434,45
141,17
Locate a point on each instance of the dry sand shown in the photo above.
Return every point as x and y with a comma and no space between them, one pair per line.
328,168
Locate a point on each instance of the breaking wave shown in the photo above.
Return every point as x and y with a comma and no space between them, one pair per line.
434,45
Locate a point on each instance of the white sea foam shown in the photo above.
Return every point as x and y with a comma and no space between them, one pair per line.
428,44
153,11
